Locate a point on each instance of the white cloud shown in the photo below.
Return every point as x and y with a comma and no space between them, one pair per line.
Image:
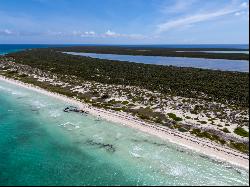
84,34
237,13
88,34
178,6
240,13
113,34
76,33
244,5
110,33
6,32
245,12
201,17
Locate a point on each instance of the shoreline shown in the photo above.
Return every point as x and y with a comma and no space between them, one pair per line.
199,145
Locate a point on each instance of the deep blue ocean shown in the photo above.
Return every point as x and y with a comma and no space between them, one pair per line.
8,48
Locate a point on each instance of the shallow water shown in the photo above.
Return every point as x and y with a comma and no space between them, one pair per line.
239,52
42,145
214,64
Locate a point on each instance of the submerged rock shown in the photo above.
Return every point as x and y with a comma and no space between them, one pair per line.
108,147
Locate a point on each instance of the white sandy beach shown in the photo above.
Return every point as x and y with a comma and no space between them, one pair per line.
185,140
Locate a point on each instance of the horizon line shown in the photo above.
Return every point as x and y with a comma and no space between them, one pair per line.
119,44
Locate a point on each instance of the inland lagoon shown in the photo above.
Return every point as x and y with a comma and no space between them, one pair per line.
203,63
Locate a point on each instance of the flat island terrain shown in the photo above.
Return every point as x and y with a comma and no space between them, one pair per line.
209,53
203,110
124,93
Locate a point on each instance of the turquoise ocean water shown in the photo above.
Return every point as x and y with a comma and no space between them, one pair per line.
42,145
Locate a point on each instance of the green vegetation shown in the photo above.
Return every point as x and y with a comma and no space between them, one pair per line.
202,122
181,129
230,87
209,135
147,51
239,146
243,147
125,102
241,132
148,114
225,130
174,117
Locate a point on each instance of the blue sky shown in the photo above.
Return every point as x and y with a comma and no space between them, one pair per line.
124,21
